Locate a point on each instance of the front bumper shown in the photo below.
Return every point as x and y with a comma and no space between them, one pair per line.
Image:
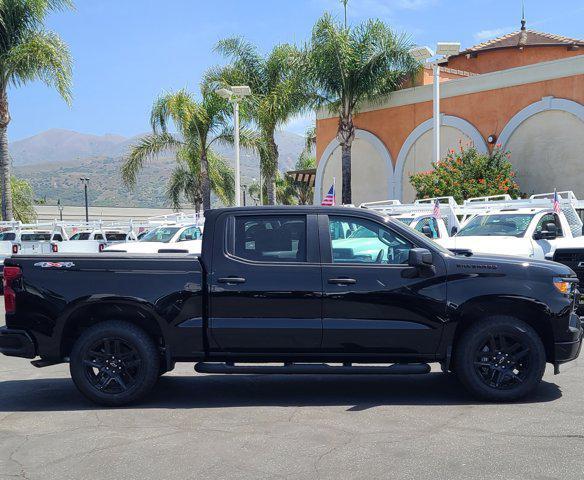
16,343
568,351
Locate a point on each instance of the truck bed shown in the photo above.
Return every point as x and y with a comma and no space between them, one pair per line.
163,291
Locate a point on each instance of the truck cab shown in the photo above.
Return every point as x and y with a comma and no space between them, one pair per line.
171,237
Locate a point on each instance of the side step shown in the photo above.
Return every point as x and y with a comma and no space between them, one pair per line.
314,368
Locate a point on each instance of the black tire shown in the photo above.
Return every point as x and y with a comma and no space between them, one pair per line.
500,359
114,363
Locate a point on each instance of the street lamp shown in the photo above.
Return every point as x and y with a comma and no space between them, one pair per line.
85,182
244,190
60,207
422,54
234,95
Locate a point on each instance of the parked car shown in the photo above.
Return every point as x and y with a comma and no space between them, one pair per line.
272,285
168,238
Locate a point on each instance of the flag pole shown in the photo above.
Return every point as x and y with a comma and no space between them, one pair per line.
334,192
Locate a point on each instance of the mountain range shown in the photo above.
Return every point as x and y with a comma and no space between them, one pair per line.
53,162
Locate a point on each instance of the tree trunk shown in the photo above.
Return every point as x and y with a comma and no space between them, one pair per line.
205,183
271,168
346,135
5,158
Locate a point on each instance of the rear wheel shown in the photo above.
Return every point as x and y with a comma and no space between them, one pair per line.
114,363
500,359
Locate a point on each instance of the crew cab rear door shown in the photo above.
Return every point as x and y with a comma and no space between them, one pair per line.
370,306
265,284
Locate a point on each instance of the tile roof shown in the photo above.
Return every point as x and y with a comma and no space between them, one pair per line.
524,38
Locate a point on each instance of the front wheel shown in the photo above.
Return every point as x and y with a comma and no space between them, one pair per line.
114,363
500,359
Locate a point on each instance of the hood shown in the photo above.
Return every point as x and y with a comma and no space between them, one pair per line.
519,247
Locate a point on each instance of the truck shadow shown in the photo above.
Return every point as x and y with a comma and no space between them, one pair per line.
223,391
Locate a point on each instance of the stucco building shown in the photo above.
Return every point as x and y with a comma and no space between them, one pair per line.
525,90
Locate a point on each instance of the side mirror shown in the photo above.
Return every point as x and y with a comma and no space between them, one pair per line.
454,230
549,231
420,257
426,230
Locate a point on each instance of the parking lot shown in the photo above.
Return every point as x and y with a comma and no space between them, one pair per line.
300,427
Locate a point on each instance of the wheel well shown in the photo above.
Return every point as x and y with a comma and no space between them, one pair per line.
89,315
522,310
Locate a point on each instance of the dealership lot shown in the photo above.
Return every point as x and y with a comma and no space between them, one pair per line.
212,426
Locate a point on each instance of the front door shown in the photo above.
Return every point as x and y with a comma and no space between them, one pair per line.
369,306
266,285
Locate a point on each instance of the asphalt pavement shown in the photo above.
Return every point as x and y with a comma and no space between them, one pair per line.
196,426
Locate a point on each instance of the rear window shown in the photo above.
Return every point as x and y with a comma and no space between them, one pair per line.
115,236
9,236
271,239
35,237
80,236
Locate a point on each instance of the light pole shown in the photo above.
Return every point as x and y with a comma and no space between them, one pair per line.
60,207
244,190
422,54
85,182
234,95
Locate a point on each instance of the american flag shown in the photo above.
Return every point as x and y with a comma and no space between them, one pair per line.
557,208
329,198
436,211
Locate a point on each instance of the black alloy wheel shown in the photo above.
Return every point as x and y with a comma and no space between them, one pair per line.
500,359
114,363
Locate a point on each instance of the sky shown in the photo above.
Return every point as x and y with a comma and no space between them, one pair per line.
126,52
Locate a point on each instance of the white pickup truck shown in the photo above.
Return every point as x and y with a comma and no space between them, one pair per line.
420,215
164,238
93,240
526,228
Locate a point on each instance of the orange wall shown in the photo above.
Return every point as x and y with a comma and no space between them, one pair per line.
495,60
488,111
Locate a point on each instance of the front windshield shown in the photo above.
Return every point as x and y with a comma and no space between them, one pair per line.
162,235
407,221
496,225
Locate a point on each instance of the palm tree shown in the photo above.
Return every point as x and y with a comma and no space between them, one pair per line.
199,124
28,52
278,93
350,66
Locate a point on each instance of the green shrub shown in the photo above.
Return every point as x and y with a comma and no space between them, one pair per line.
466,173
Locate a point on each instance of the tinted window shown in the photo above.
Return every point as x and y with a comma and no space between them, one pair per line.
271,239
98,236
115,236
10,236
57,237
370,242
549,218
80,236
497,225
35,237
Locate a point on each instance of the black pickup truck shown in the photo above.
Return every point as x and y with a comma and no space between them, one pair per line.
293,290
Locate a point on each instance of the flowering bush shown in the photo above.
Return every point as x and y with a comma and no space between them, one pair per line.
467,173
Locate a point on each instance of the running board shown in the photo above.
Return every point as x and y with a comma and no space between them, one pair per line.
314,368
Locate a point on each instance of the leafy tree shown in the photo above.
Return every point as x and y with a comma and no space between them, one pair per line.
278,93
351,66
199,125
22,200
466,173
28,52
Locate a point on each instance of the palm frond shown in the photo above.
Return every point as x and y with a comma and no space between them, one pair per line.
147,148
43,56
222,178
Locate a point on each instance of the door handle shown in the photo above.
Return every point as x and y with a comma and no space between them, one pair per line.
231,280
342,281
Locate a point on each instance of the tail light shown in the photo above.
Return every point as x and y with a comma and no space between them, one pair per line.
11,274
54,248
15,249
101,247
